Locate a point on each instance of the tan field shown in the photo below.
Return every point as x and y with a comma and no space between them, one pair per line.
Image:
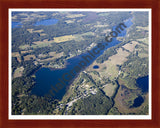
63,38
24,46
42,34
26,51
145,40
70,21
119,58
100,26
17,55
109,68
142,28
32,30
18,72
74,15
29,57
52,53
130,46
110,89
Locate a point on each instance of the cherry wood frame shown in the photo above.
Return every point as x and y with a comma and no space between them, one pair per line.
4,41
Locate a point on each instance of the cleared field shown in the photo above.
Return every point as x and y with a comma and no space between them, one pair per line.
18,72
63,38
52,53
142,28
29,57
42,34
46,43
110,89
70,21
74,15
100,26
30,17
24,46
143,55
143,48
17,55
43,42
32,30
26,51
130,46
119,58
54,56
144,40
109,68
42,55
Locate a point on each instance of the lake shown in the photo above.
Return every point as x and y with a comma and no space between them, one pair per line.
138,101
95,66
46,22
47,79
143,83
42,22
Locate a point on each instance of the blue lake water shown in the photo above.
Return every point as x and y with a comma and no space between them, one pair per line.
46,22
16,24
138,101
55,82
143,83
95,66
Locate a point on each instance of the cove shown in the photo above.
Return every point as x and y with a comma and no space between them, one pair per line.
47,78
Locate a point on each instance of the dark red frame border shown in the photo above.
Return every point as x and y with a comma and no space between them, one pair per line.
6,4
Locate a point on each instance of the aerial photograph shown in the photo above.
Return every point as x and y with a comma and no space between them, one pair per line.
79,62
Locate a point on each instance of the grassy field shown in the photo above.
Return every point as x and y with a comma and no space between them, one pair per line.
63,38
46,43
109,68
74,15
139,28
18,72
52,56
130,46
110,89
28,17
29,57
70,21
